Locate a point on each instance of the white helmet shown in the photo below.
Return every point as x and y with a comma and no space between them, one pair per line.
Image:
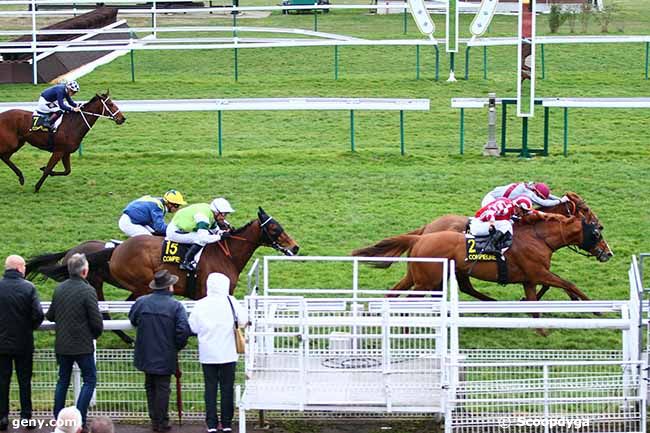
72,85
221,205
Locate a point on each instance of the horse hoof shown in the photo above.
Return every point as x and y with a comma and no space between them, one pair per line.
542,332
21,180
42,169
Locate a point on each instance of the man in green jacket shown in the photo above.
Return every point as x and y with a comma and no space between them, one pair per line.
75,310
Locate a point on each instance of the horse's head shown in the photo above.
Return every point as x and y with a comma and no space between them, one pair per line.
274,236
592,230
103,106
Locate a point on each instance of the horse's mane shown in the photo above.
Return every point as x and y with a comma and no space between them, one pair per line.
242,228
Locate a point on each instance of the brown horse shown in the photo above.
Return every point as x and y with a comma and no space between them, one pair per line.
457,223
116,265
15,128
528,260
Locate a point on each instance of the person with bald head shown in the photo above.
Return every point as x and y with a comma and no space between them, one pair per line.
20,315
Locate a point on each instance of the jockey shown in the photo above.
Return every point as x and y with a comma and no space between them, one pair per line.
538,192
146,215
496,219
56,99
200,224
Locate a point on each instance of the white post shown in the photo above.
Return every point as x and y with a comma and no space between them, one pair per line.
242,410
34,60
491,148
76,382
546,408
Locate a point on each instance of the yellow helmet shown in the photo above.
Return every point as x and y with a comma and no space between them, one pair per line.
174,197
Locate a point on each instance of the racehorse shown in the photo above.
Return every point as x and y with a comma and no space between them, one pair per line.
528,260
576,206
116,265
15,128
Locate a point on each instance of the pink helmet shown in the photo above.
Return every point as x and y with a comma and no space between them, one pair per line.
523,202
542,189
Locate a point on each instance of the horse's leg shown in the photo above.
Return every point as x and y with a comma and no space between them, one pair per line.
12,166
54,159
545,288
531,295
550,279
403,284
98,284
66,166
465,286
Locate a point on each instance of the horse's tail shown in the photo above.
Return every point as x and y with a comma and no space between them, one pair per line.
390,247
417,232
35,265
97,262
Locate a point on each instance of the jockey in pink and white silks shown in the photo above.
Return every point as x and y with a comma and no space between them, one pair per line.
496,219
539,193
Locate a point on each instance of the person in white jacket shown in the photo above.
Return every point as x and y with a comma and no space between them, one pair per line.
212,320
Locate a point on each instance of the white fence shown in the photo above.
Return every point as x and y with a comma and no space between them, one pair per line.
342,348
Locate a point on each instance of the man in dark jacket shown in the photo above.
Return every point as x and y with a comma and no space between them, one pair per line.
20,315
162,330
78,322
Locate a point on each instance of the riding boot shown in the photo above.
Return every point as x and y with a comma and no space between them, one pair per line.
188,263
51,120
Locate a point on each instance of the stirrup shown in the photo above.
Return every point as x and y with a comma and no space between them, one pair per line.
188,266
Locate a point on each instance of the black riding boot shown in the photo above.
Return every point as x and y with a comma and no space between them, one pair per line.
188,263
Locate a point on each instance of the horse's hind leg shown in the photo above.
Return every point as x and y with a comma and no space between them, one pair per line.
13,167
403,284
54,159
66,167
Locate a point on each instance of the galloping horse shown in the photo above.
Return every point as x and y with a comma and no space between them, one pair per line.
457,223
15,131
132,264
528,260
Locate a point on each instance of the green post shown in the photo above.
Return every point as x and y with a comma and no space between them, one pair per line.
462,131
543,64
467,62
417,62
401,131
81,150
219,133
524,138
352,130
647,56
566,131
452,62
485,62
405,20
234,25
236,66
437,62
504,125
336,62
132,68
546,113
315,18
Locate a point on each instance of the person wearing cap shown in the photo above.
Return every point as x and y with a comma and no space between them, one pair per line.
56,100
200,224
212,320
539,193
146,215
162,331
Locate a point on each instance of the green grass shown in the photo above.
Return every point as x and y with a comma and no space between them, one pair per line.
297,165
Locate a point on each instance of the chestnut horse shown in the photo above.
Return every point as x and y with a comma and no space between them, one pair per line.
575,207
15,131
528,260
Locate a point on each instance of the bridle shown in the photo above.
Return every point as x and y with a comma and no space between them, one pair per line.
267,239
273,240
111,114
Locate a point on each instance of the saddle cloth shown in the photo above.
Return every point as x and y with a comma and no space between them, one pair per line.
38,122
174,252
476,249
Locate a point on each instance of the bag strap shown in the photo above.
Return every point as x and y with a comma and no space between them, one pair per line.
234,315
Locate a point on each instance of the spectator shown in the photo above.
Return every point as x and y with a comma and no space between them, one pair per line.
162,331
20,315
78,321
69,421
101,424
212,320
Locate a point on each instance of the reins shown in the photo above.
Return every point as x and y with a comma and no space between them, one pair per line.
105,108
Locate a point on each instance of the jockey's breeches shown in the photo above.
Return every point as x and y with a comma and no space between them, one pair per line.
201,237
45,107
482,228
130,229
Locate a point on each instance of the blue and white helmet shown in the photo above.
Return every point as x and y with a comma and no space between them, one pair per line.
72,85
